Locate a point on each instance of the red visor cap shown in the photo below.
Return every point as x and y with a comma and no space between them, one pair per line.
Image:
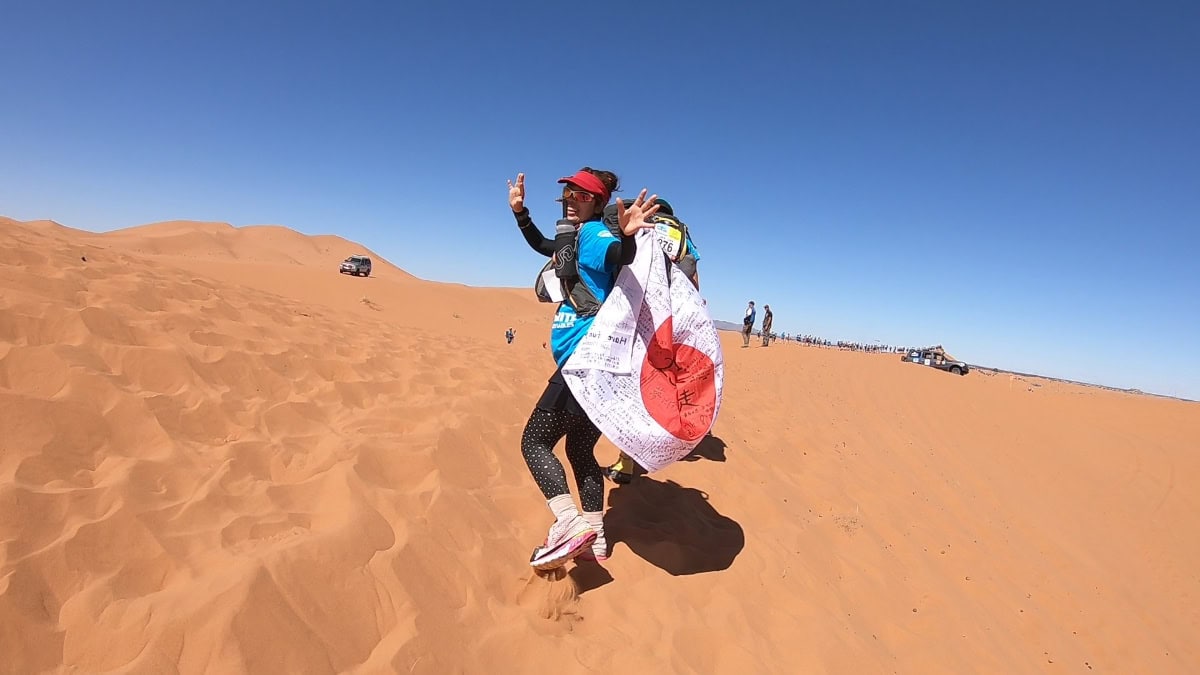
588,182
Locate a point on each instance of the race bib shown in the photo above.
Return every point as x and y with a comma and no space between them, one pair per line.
671,240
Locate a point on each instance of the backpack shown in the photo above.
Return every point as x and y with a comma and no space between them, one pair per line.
671,232
577,294
672,235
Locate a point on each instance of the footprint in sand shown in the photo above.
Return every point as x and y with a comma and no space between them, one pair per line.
246,531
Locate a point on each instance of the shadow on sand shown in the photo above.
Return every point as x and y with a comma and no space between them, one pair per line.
711,448
672,527
589,575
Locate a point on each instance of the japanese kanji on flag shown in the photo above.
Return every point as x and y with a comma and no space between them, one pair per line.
650,372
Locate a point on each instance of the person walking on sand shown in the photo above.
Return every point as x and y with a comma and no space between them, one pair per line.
591,256
509,335
768,319
748,325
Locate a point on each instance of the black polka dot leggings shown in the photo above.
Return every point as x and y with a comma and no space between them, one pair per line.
542,432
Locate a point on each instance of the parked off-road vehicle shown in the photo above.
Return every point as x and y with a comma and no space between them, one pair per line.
356,265
936,357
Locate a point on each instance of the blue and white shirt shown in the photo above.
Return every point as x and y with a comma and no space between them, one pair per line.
569,328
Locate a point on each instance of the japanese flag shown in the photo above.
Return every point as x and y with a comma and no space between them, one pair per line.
650,371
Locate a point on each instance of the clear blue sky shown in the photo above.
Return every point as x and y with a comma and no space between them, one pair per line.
1020,183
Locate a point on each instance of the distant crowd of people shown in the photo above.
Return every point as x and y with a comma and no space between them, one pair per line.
814,341
768,336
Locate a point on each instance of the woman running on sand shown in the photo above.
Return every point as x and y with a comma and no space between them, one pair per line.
598,254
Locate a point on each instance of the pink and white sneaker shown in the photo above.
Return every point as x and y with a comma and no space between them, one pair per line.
597,553
567,539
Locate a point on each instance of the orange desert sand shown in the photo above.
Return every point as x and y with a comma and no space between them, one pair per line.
219,455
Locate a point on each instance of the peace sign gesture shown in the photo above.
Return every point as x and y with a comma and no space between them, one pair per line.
633,217
516,193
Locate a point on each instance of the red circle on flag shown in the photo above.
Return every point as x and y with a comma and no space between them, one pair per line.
679,386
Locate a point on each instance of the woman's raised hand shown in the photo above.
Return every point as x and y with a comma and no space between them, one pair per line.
633,217
516,193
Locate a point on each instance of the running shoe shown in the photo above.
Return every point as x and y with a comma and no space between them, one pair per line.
567,539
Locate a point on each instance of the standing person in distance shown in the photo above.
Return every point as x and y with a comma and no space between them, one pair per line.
747,325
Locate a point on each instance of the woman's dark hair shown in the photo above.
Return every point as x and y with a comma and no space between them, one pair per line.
609,178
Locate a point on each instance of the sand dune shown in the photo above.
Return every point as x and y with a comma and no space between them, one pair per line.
219,455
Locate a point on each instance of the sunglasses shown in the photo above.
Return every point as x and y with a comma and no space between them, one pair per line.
577,196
